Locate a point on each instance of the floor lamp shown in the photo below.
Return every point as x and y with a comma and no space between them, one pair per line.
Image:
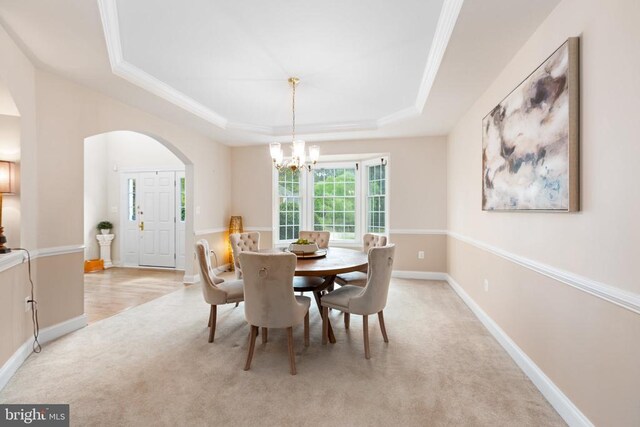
7,186
235,226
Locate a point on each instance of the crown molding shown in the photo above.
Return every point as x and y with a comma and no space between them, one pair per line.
407,113
120,67
133,74
444,29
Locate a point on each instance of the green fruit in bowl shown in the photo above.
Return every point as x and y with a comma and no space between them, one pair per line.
301,242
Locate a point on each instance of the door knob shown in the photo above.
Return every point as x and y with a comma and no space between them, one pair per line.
141,225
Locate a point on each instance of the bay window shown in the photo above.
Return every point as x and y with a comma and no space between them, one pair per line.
348,199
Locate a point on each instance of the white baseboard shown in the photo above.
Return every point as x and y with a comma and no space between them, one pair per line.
561,403
419,275
46,335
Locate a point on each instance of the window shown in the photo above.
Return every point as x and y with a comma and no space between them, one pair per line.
334,202
348,199
376,198
289,202
131,198
183,200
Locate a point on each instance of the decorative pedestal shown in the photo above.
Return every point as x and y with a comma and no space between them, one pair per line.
105,248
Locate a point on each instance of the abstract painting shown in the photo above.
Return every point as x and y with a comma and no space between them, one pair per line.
530,140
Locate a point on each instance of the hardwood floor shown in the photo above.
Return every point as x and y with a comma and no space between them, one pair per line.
115,290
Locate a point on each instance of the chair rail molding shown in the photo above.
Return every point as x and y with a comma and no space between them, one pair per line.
417,231
612,294
17,257
205,231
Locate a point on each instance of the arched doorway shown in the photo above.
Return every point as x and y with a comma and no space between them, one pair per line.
141,185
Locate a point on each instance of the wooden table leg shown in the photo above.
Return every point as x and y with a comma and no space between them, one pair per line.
318,297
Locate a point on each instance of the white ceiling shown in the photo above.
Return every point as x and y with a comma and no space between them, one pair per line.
369,68
362,63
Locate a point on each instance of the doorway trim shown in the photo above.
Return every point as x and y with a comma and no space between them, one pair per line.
189,169
177,170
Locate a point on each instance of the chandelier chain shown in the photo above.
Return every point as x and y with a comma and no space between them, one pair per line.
293,109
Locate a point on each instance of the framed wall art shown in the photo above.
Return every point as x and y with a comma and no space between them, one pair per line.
530,140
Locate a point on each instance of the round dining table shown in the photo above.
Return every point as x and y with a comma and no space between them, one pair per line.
336,261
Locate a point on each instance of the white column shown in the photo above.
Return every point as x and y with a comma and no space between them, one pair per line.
105,248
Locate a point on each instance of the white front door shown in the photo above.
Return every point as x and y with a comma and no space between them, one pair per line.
157,219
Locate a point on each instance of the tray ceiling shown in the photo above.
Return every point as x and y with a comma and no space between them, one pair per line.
363,64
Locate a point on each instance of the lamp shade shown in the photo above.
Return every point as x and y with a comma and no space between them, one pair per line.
7,177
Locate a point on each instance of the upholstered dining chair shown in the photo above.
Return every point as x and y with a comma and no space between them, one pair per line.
319,237
215,290
242,242
370,300
269,299
359,278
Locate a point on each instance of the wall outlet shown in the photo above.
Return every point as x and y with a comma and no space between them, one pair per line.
420,254
486,285
27,304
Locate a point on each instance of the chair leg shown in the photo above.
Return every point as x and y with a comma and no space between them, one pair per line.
365,332
210,316
325,324
252,345
347,318
264,335
382,327
213,316
237,304
292,355
306,329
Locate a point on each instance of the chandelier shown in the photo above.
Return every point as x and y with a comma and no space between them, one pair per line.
298,159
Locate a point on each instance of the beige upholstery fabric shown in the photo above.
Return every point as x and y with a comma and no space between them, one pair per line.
319,237
356,278
242,242
373,241
214,289
360,278
373,297
268,290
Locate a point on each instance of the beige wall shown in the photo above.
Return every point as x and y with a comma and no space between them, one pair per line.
418,194
56,116
95,191
587,346
14,321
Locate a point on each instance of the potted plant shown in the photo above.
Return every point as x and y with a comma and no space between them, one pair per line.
105,227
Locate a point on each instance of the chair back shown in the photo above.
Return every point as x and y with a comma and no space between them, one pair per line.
374,296
208,278
373,241
269,301
319,237
243,242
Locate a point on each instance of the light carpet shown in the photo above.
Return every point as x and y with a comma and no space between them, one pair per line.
153,365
